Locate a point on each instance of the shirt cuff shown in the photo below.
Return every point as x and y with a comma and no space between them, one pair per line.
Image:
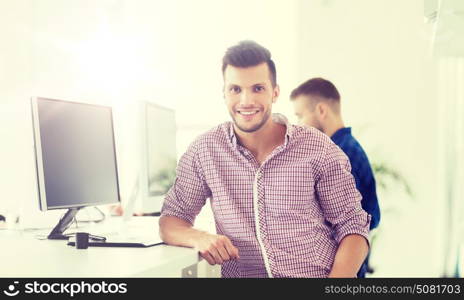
184,217
359,226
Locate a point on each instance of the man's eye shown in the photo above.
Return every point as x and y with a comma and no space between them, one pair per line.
259,88
235,89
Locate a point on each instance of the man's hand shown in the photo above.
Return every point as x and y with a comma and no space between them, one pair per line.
216,249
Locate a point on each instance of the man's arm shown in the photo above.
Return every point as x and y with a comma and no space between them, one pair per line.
340,203
182,204
216,249
365,183
349,257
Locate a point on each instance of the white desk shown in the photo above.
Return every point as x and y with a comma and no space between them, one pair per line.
23,255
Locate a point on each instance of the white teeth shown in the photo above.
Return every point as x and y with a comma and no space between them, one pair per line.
247,112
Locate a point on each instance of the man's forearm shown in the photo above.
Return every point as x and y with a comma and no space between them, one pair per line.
177,232
350,255
215,248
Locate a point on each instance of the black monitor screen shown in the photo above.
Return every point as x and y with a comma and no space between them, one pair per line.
75,154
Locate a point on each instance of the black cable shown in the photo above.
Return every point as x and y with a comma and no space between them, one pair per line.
101,213
91,236
103,217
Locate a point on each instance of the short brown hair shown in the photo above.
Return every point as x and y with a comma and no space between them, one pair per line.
321,88
317,87
249,54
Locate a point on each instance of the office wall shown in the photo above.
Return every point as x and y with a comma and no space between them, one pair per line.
378,54
451,149
15,79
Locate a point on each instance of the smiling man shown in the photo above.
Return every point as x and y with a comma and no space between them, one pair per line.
284,200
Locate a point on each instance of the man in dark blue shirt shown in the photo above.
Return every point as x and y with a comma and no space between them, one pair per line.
317,103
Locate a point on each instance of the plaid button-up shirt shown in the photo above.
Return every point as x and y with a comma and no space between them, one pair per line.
286,216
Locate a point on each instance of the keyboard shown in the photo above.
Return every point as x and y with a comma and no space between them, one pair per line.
144,244
139,232
125,240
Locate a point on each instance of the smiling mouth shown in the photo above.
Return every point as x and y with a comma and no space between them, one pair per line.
247,113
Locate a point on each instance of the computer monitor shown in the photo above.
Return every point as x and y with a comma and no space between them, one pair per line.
75,157
159,158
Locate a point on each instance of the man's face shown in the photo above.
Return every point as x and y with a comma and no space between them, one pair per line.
249,96
305,112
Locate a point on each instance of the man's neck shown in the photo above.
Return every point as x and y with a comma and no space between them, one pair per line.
263,141
333,127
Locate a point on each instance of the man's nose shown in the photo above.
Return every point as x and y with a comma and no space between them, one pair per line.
246,98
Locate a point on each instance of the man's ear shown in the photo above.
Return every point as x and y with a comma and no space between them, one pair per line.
322,109
275,93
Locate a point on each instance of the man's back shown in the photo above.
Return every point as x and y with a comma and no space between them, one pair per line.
362,172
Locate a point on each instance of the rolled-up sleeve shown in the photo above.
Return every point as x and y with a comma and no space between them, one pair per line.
338,197
189,192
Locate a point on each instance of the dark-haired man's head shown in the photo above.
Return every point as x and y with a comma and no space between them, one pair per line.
250,85
249,54
317,103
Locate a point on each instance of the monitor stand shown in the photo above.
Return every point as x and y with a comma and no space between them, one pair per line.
58,232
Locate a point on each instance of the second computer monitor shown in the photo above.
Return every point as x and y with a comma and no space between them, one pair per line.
161,149
159,155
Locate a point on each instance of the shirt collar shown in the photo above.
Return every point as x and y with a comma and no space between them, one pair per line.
341,133
276,117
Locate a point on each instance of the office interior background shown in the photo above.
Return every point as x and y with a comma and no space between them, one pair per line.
399,66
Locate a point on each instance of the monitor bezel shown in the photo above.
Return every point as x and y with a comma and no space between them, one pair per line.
146,146
39,158
150,202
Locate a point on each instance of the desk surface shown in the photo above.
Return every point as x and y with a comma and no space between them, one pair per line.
23,255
